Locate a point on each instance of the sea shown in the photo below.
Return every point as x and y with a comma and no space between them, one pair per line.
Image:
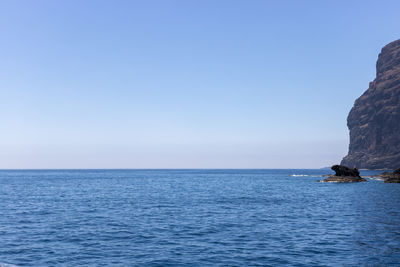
196,218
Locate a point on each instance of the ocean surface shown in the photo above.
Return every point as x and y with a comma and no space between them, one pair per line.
195,218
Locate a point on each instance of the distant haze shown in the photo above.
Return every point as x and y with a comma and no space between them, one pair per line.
184,84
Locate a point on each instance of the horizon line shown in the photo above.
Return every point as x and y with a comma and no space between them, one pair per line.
155,169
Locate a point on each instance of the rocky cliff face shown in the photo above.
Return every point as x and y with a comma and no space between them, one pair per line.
374,120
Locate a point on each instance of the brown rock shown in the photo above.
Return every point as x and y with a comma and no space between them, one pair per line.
343,179
389,177
392,177
393,180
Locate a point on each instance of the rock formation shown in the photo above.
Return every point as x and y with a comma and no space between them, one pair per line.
393,179
389,177
344,175
374,120
345,171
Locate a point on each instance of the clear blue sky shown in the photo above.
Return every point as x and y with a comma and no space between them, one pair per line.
184,84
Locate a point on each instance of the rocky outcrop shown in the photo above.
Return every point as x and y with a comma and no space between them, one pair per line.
343,179
344,175
345,171
388,177
374,120
393,177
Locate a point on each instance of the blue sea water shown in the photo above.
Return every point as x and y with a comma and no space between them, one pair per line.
195,218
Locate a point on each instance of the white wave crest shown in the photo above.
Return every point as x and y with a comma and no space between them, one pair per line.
2,264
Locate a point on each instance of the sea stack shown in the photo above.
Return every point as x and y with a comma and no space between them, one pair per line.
374,120
344,174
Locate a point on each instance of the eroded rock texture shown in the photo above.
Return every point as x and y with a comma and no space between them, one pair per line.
345,171
344,175
374,120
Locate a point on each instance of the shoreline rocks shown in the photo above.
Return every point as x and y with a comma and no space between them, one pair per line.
391,177
345,174
392,180
388,177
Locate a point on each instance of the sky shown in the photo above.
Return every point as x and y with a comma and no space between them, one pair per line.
184,84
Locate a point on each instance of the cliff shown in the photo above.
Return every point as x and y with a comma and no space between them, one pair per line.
374,120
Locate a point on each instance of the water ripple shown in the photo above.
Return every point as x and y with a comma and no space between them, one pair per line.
195,218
